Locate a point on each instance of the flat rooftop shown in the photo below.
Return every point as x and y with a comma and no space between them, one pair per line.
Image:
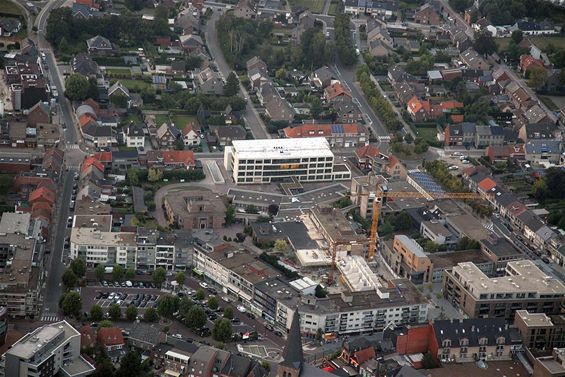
411,245
244,264
14,223
91,207
78,367
534,319
468,225
523,277
450,259
281,148
19,269
35,341
336,225
93,237
495,369
102,223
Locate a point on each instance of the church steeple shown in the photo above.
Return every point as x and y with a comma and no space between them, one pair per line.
293,354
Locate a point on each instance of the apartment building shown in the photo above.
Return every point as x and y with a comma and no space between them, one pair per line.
195,209
346,135
146,249
525,286
550,366
50,350
235,269
539,331
408,260
276,301
274,160
363,311
21,265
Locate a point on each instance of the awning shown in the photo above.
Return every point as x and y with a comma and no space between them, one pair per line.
172,373
198,272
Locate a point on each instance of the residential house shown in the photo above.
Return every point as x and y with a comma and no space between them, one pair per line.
426,15
81,11
473,60
119,94
543,150
380,33
488,135
306,21
245,9
39,113
535,115
321,77
209,82
168,135
134,135
83,64
460,134
99,45
541,130
338,135
423,110
461,40
190,135
111,338
171,159
276,107
378,49
192,43
407,44
497,153
9,26
535,28
527,62
226,134
187,23
342,103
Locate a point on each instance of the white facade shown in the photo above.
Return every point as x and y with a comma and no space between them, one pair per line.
191,138
135,141
272,160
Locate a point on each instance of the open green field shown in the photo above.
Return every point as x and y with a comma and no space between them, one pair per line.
332,11
316,6
118,71
180,120
7,7
541,41
427,133
136,85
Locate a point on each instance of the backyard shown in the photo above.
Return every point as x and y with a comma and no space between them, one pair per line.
136,85
429,134
316,6
178,119
9,8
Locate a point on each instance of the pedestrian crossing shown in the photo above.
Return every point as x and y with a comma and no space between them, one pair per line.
72,146
49,317
489,226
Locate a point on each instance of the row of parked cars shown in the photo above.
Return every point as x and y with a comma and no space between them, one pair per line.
139,300
128,284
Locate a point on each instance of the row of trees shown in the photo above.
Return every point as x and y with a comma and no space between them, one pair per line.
379,104
65,32
345,49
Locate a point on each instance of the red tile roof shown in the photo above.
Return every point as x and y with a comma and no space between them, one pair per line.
415,105
528,61
87,337
457,118
91,161
185,158
335,90
85,119
487,184
110,336
42,194
364,355
103,157
448,105
367,151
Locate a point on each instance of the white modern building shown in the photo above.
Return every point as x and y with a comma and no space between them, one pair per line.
274,160
53,349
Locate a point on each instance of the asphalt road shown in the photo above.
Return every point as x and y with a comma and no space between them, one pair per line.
55,267
252,118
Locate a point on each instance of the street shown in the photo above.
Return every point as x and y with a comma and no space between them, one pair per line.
55,266
252,119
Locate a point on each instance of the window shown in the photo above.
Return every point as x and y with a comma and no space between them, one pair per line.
446,343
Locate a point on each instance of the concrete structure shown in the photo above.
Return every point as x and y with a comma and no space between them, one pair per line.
107,248
275,160
362,193
525,286
50,350
195,209
410,261
539,331
550,366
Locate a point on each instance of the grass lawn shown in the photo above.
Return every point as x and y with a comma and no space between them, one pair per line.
427,133
549,103
316,6
118,71
332,11
136,85
180,120
7,7
543,42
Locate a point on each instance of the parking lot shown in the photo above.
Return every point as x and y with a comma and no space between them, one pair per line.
142,298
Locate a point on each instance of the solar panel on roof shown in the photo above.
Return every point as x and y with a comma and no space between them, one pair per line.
337,128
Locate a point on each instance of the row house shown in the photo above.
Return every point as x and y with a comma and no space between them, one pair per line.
338,135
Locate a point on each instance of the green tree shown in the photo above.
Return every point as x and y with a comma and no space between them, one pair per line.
428,361
180,278
71,304
213,302
159,276
228,312
280,74
320,292
78,266
115,312
76,87
222,330
316,108
118,273
280,245
133,176
69,278
484,43
200,294
150,315
196,317
130,365
130,273
96,313
92,91
185,305
104,368
232,85
154,175
99,270
537,77
517,36
168,304
105,323
230,214
131,313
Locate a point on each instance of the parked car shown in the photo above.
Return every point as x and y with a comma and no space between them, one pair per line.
203,285
99,295
278,333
